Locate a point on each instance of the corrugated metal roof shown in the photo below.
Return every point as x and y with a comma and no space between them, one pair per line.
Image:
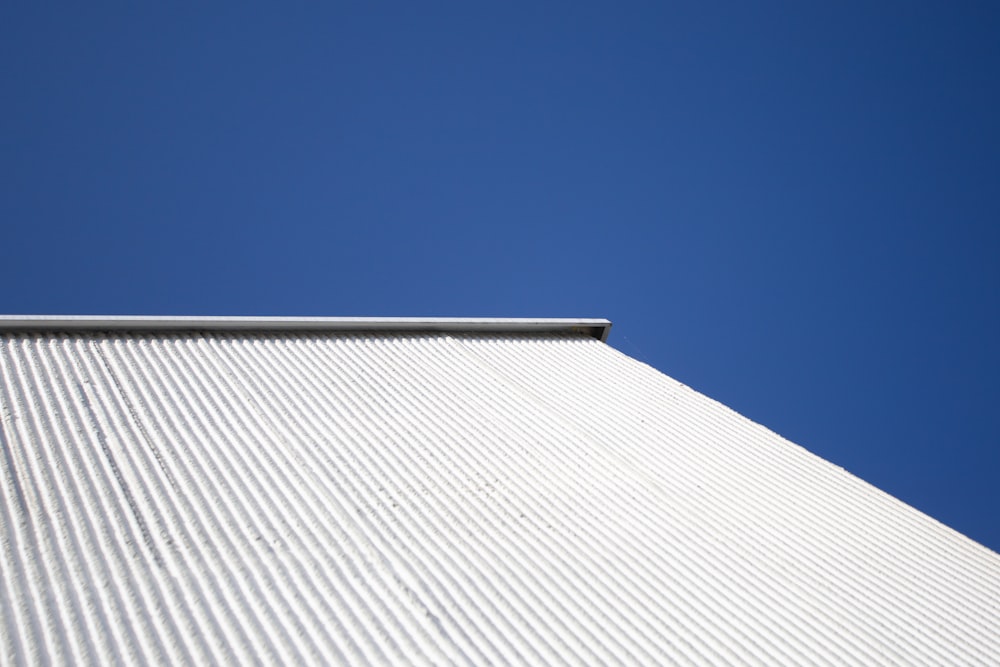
441,498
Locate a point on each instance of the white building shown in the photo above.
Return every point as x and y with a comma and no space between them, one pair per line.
197,491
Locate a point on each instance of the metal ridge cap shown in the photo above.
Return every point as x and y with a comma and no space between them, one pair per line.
595,327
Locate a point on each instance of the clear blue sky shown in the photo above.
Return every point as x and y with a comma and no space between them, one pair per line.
793,208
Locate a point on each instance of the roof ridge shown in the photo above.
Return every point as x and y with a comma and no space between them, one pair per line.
595,327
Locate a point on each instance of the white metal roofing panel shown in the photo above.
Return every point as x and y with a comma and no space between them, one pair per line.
441,498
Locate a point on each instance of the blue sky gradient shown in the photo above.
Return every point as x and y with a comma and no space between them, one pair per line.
793,209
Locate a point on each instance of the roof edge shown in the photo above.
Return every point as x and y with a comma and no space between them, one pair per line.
596,328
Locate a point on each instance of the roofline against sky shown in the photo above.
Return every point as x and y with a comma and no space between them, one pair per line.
597,328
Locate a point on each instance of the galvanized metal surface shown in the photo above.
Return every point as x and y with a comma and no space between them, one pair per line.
441,499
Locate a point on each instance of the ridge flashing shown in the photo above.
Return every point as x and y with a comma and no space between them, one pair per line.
595,327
